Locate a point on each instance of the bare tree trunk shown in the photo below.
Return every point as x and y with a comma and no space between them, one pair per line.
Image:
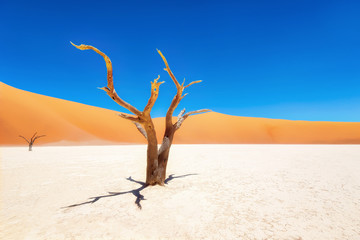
30,146
156,159
163,160
164,152
152,156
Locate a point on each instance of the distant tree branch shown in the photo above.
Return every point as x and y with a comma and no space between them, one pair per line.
24,138
32,138
38,137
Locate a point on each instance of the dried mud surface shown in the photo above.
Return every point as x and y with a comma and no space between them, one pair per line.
213,192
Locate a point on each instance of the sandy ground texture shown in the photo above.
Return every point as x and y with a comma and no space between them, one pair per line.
213,192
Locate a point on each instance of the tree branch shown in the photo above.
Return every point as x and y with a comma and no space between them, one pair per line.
183,96
169,70
181,113
196,112
38,137
164,145
141,129
182,116
32,138
154,95
129,117
177,97
24,138
193,82
110,90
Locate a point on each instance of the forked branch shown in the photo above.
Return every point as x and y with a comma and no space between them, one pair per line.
154,95
179,94
32,138
169,70
38,137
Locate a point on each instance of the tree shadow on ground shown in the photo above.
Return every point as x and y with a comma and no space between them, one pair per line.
135,192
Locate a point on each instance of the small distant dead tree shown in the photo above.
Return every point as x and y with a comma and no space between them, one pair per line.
156,158
32,140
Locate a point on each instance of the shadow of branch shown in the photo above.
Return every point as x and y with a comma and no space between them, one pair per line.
135,192
171,177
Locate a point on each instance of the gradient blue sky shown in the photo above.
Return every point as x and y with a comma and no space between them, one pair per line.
297,60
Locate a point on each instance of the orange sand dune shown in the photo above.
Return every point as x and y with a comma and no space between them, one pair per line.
70,123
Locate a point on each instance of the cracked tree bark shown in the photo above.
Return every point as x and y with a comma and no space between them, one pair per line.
156,158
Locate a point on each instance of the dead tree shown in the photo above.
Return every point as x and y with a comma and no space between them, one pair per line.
32,140
156,158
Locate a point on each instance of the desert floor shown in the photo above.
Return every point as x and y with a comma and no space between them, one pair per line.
213,192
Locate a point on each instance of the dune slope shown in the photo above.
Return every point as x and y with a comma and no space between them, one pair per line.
70,123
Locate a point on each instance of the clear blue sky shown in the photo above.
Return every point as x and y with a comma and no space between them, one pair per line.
296,60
